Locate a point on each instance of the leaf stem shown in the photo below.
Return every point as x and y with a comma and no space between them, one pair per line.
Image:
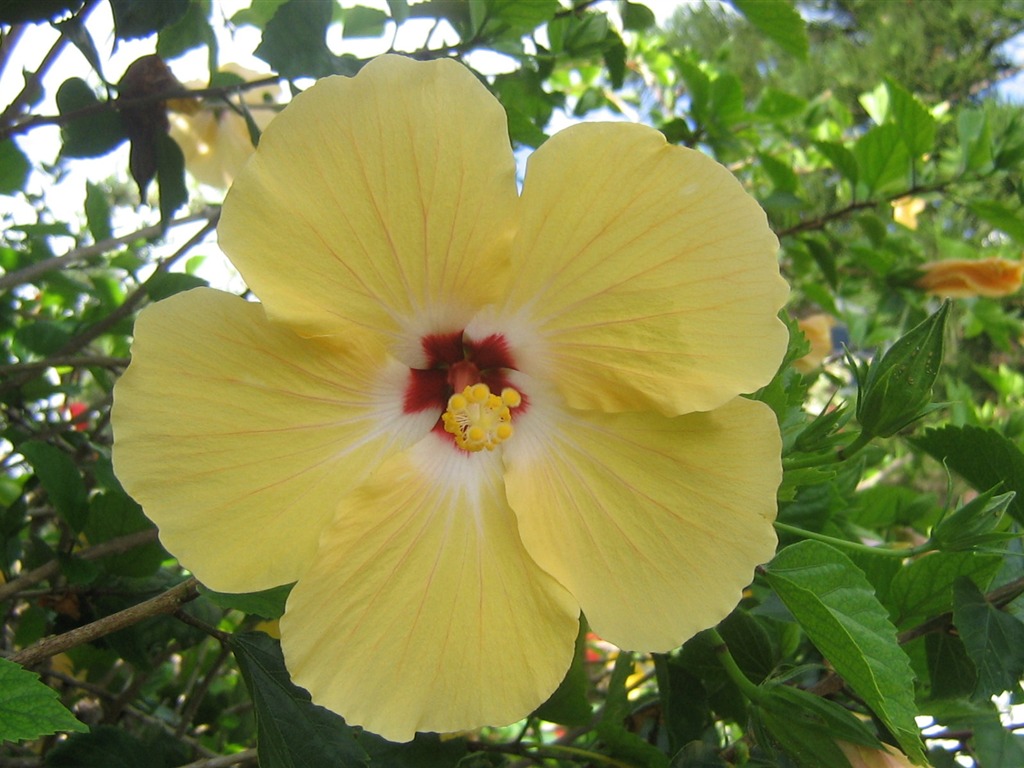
854,546
744,683
835,457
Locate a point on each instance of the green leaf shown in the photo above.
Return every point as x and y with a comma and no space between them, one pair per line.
23,11
360,21
952,673
835,605
882,157
924,587
60,477
295,40
975,140
915,123
94,134
427,750
568,705
170,177
636,17
28,707
994,640
399,10
780,21
269,604
983,457
113,514
14,168
291,731
191,31
897,389
43,337
97,212
141,18
999,216
611,728
807,726
842,159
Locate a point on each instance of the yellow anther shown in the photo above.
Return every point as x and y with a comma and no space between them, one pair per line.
477,419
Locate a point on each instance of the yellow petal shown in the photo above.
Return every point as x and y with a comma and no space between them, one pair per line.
422,611
967,278
385,200
648,271
655,525
238,437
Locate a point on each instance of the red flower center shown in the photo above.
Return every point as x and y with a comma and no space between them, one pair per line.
455,362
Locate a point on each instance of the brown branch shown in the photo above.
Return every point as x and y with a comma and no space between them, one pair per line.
168,602
52,568
32,271
129,305
119,104
223,761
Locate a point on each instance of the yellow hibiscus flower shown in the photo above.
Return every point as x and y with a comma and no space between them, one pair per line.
968,278
595,331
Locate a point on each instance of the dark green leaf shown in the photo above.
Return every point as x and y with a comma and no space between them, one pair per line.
983,457
43,337
295,39
620,741
95,133
636,17
109,747
170,177
950,669
269,604
568,705
113,514
994,640
60,477
14,168
25,11
780,21
292,732
837,608
164,284
427,750
28,707
190,31
399,10
924,587
842,159
141,18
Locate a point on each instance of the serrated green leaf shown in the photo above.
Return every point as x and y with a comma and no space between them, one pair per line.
994,640
22,11
360,21
14,168
983,457
268,604
780,21
291,731
881,157
924,587
835,605
60,477
29,708
915,123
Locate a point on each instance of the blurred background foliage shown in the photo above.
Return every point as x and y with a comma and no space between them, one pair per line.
886,142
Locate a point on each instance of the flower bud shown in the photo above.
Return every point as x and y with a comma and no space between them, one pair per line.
896,390
974,524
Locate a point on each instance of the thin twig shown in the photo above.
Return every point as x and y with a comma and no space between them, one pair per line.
168,602
64,362
223,761
32,271
52,568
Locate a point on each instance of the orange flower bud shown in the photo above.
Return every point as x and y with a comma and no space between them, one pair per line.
818,331
965,278
906,209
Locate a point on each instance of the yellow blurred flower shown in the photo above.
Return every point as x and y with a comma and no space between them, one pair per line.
866,757
906,209
213,137
461,414
966,278
817,329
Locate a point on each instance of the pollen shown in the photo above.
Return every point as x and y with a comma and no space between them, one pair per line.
479,419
